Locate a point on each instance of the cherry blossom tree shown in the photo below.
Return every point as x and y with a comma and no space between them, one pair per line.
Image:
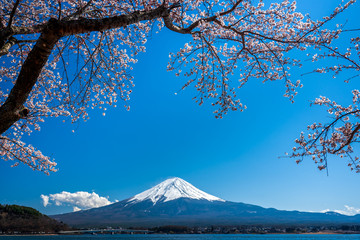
232,42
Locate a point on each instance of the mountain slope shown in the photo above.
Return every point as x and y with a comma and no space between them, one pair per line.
14,218
177,202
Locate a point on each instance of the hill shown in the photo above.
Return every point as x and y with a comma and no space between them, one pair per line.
20,219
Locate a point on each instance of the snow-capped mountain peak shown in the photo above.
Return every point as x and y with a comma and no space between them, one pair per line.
172,189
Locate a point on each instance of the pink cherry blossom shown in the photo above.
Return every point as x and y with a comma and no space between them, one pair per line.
232,42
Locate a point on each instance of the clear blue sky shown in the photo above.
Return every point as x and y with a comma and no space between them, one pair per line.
167,135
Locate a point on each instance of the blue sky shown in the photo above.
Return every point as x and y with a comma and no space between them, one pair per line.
166,135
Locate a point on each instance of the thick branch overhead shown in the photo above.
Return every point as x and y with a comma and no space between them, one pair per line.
10,111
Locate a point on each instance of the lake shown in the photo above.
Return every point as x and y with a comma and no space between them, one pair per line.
190,237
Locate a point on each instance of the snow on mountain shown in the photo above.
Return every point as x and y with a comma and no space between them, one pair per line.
172,189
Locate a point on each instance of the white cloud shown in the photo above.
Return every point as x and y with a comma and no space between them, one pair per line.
45,200
350,211
78,200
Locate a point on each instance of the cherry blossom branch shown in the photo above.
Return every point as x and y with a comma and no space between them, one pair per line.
332,138
67,27
16,150
12,110
189,29
212,18
79,12
12,14
349,139
338,54
10,43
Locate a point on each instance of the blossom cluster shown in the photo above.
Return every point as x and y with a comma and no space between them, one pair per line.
250,42
336,138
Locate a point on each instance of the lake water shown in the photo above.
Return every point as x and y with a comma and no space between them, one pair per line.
189,237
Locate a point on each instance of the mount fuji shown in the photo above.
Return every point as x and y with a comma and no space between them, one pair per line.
177,202
172,189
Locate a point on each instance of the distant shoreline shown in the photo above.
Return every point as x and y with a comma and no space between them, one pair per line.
58,234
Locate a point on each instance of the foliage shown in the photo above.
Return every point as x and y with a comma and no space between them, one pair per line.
21,219
20,210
